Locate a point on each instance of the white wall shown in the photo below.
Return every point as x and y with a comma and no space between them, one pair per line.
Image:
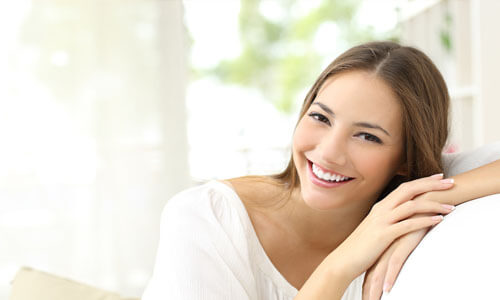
486,59
93,130
470,69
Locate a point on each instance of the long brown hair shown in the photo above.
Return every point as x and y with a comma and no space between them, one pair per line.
424,100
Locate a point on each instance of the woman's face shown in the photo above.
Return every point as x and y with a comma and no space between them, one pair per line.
348,145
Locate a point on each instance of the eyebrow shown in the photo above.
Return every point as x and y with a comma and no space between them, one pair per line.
359,124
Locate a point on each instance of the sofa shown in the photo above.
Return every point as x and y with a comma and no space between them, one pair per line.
31,284
457,260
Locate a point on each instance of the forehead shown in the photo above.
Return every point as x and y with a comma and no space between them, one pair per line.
361,96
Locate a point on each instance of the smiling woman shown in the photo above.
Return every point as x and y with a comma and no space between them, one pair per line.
346,132
359,184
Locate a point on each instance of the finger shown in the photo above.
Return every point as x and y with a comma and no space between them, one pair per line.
394,267
413,224
364,295
366,290
366,285
374,277
412,207
409,190
375,292
405,247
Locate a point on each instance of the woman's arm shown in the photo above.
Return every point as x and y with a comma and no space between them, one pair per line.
473,184
388,220
476,174
326,282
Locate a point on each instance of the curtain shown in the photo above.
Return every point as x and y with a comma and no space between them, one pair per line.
93,131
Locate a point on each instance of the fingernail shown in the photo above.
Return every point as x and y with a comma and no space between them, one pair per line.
438,218
437,175
448,207
447,180
387,288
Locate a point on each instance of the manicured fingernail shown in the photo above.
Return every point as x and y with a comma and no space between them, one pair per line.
437,175
438,218
447,180
387,288
448,207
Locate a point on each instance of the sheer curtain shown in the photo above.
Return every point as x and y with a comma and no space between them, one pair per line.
93,131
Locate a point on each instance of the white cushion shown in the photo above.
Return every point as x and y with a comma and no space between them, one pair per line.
458,259
457,163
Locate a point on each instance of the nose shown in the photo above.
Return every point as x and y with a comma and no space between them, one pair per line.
333,147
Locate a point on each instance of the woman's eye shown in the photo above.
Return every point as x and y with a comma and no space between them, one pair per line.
370,137
319,117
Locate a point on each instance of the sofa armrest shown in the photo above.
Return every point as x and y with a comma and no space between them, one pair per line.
30,284
458,259
457,163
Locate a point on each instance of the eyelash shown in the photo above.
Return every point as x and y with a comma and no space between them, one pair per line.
368,137
319,117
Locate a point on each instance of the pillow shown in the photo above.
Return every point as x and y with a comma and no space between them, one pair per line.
458,259
456,163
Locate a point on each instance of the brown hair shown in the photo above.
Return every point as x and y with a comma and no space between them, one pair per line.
424,100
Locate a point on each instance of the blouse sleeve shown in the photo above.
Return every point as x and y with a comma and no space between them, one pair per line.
195,259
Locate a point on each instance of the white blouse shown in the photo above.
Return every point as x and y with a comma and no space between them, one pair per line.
209,250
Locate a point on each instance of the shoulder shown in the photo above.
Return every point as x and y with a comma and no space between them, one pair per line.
203,251
259,192
210,201
203,221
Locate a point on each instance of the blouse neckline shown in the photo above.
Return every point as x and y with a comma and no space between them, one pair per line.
265,263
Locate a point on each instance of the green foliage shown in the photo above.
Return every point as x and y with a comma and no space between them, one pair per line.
278,58
445,32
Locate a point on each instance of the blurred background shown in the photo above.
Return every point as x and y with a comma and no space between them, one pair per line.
109,107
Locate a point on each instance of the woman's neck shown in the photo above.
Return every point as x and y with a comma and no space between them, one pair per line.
314,229
320,230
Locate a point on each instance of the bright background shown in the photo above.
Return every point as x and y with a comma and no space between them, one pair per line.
109,107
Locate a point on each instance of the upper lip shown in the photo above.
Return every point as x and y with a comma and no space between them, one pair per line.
329,171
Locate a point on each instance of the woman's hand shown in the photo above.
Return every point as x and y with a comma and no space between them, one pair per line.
382,275
389,219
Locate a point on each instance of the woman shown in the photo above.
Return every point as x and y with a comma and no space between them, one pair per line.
375,118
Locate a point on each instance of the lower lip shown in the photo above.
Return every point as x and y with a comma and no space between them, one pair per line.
323,183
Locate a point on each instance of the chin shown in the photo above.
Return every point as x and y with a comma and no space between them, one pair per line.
321,201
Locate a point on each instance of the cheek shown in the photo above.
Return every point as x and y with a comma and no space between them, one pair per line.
380,166
302,138
303,141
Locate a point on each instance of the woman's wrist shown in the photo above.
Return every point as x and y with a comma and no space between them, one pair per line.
339,268
472,184
328,281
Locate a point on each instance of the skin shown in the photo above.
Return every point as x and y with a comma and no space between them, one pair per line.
371,156
469,185
301,236
323,238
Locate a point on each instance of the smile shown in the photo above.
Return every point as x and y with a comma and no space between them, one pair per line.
321,177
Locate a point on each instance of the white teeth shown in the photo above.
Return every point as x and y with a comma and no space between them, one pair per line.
327,176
